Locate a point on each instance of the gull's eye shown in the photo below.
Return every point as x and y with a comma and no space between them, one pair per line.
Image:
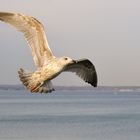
66,58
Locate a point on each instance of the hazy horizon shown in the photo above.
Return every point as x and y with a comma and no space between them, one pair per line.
106,32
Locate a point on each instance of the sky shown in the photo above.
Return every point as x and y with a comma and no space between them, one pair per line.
107,32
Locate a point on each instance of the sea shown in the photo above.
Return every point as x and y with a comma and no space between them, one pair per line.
101,114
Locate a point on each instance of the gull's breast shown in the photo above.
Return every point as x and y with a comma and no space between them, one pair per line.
50,71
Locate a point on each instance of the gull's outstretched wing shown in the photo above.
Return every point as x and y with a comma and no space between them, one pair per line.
34,33
85,70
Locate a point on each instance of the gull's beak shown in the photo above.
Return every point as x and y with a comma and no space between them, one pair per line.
74,61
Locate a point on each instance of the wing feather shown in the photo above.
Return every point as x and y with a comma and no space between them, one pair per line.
34,33
85,70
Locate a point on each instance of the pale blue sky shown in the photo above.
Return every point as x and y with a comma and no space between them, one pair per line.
105,31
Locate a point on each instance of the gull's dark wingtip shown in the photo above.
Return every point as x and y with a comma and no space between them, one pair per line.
5,14
94,84
94,80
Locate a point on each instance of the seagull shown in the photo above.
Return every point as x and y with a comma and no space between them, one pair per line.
48,65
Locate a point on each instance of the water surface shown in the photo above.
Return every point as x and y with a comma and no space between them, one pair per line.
70,115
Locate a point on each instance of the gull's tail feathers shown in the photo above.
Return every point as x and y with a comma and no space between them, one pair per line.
27,79
33,82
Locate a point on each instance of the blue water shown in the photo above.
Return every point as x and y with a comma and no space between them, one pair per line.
70,115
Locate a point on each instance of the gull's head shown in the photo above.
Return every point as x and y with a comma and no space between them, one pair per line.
66,60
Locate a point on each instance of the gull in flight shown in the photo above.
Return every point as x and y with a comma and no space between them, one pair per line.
48,66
